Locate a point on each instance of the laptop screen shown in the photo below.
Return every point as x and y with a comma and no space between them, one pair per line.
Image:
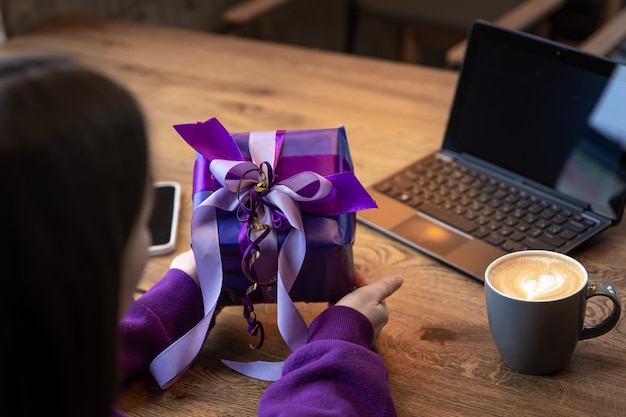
528,105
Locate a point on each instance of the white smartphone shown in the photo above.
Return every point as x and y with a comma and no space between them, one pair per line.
164,218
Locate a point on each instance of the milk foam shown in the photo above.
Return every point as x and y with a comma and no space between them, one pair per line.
536,277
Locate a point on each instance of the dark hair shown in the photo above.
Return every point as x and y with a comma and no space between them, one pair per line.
73,173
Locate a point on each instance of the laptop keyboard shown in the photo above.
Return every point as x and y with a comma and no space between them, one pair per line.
485,207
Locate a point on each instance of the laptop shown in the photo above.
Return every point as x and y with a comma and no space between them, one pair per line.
532,157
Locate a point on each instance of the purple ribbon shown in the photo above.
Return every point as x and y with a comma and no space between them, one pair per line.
269,193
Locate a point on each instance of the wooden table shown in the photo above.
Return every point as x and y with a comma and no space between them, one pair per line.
437,345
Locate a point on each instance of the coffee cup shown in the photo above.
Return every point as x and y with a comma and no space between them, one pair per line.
536,304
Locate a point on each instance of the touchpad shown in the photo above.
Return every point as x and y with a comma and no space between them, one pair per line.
429,236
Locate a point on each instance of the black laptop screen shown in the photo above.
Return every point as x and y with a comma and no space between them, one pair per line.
524,104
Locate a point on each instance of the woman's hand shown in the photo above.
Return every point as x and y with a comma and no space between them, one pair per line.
369,298
186,262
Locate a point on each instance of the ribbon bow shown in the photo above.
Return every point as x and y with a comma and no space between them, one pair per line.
268,193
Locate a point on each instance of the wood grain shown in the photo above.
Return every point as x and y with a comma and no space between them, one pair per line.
441,358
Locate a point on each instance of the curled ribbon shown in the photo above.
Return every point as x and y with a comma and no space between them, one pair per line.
265,203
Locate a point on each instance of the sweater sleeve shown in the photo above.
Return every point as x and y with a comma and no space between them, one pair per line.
156,319
334,374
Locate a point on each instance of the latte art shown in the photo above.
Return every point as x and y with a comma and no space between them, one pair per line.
536,277
543,285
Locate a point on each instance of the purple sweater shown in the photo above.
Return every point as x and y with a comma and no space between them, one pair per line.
334,374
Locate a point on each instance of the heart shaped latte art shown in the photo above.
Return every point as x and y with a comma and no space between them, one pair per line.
543,285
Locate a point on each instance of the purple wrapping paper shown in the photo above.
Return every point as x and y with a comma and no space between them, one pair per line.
327,272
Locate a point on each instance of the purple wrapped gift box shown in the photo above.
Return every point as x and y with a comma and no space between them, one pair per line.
327,271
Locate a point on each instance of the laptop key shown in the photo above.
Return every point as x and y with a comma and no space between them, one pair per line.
568,234
533,243
447,217
553,240
495,239
510,246
575,226
481,232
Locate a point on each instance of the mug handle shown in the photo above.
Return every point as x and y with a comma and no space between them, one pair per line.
601,327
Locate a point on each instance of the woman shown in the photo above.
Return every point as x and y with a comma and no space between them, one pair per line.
77,195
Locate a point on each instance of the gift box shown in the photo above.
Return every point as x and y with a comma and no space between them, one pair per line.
327,271
274,220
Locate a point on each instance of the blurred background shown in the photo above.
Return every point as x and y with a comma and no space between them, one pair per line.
412,31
